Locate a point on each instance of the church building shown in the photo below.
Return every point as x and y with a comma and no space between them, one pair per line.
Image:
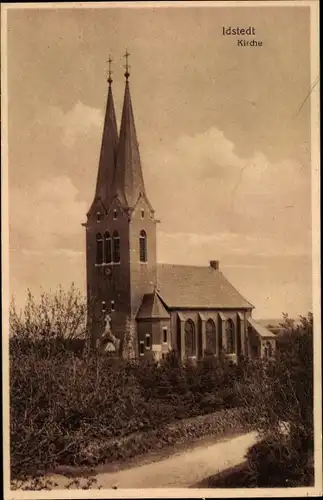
193,310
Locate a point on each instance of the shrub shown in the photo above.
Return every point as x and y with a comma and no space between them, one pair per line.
216,424
69,404
277,462
282,391
63,403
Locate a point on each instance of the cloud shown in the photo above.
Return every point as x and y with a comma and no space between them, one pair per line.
200,184
46,215
61,252
244,266
210,153
200,248
78,123
250,213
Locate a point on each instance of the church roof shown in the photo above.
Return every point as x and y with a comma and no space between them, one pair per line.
152,307
261,330
108,153
128,181
189,287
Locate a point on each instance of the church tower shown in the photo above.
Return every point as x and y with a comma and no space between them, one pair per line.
121,226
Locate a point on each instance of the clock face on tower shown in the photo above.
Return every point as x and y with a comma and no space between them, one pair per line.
108,271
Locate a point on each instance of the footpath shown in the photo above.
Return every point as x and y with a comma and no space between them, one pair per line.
181,470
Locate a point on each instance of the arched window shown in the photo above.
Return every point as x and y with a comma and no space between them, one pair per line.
107,248
116,247
231,337
99,248
210,337
190,340
143,246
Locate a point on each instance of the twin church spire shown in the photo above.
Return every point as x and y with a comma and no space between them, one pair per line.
109,147
119,173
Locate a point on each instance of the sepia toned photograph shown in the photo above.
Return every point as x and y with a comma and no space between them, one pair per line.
161,249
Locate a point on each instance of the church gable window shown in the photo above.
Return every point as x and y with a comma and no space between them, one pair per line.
142,214
210,337
98,217
116,247
143,246
107,248
99,249
190,338
231,340
115,214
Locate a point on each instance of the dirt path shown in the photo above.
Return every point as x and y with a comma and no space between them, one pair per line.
181,470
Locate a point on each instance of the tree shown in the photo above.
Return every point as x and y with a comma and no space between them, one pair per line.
54,321
282,391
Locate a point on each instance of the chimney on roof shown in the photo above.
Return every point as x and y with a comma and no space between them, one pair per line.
215,264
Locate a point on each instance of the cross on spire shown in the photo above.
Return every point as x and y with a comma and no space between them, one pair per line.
127,67
110,71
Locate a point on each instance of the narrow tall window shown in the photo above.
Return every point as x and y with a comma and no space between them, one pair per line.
148,341
268,352
190,338
210,337
103,306
142,214
107,248
98,217
165,335
116,247
112,306
141,348
231,337
99,249
270,349
143,246
115,214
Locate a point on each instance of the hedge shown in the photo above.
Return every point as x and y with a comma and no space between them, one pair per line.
221,423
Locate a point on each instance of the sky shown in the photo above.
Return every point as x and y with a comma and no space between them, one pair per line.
223,131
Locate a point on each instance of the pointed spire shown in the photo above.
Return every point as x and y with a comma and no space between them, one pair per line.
128,181
108,148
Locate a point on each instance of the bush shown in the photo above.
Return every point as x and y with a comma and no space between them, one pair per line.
73,406
216,424
282,391
278,462
64,403
62,315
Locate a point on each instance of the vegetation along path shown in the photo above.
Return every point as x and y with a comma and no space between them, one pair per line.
181,470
